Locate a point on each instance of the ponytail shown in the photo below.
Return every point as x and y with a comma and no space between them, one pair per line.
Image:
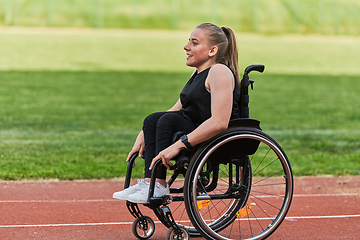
230,57
224,39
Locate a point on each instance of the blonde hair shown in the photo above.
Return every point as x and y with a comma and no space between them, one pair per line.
224,39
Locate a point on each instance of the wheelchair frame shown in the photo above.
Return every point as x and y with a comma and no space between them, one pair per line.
223,171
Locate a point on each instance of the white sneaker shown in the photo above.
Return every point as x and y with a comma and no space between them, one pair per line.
141,196
122,195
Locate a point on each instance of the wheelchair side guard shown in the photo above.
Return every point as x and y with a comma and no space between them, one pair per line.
245,122
233,149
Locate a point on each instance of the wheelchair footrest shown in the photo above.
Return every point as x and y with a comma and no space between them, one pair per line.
155,202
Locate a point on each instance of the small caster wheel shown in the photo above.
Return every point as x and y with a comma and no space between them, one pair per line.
172,235
143,229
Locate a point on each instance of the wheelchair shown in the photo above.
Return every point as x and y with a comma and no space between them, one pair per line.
236,185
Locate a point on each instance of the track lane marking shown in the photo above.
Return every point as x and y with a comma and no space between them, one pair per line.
58,201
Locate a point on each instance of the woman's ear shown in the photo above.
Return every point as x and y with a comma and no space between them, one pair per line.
213,51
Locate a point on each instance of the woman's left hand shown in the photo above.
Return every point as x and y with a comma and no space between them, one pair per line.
167,154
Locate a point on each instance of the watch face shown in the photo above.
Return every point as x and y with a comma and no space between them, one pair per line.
183,138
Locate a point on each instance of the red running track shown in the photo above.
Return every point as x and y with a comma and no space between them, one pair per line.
322,208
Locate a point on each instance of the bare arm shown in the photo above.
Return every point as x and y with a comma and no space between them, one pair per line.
221,84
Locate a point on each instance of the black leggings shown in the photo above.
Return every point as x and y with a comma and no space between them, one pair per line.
158,131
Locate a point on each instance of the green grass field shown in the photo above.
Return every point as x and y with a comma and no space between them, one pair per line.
71,104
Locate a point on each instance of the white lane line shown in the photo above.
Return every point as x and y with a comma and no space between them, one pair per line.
327,195
114,200
320,217
306,195
158,222
64,225
58,201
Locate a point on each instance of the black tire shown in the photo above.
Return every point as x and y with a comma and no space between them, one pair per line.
171,235
257,208
143,232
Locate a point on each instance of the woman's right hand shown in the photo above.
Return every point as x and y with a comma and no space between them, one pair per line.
139,146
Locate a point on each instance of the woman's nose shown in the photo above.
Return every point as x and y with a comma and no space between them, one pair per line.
186,47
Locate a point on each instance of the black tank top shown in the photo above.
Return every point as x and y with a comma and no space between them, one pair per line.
196,99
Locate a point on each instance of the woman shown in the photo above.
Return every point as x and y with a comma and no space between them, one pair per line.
207,103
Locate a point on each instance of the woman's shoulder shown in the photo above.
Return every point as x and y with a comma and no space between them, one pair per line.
220,69
219,75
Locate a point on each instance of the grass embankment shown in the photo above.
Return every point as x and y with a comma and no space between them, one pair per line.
71,109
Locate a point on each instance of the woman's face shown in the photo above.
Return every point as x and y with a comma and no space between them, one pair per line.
198,50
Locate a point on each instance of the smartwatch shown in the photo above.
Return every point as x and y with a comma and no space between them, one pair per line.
184,139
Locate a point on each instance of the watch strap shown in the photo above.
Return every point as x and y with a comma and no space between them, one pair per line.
184,139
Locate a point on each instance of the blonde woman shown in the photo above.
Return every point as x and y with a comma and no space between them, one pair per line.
206,104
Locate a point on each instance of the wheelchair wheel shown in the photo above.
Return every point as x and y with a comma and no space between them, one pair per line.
171,235
253,189
141,230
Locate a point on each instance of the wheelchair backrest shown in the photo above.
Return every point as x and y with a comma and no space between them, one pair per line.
244,89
